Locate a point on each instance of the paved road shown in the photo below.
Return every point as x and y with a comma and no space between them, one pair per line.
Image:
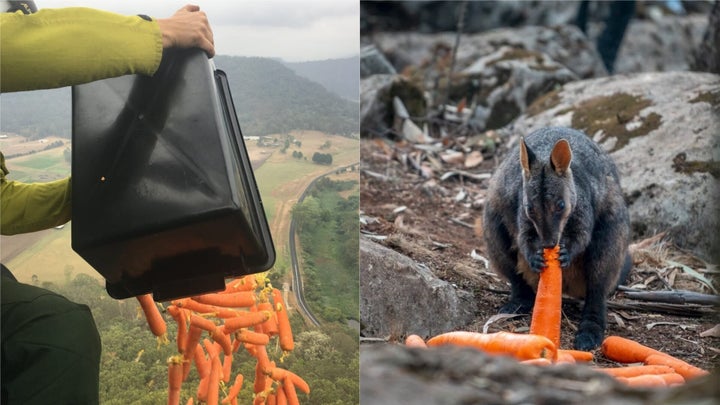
297,284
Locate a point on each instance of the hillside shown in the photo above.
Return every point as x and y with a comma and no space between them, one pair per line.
340,76
269,98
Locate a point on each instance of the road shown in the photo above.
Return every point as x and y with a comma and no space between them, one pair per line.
297,284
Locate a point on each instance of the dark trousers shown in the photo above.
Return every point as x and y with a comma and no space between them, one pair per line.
608,43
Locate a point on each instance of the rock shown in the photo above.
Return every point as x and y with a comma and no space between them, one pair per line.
373,62
506,82
707,56
394,374
663,45
662,131
399,296
438,16
565,44
376,102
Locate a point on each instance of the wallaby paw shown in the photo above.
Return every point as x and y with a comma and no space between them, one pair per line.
537,261
516,307
564,257
589,337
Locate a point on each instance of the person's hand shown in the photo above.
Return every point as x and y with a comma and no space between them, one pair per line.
187,28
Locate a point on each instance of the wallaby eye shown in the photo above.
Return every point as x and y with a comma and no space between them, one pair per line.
560,205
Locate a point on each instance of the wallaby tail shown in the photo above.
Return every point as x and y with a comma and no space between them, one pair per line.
627,265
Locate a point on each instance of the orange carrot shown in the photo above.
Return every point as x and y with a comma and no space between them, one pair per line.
284,331
249,336
578,355
270,327
154,319
564,357
193,305
211,348
280,396
686,370
202,390
202,364
247,283
214,381
521,346
548,300
193,339
271,399
229,300
245,320
259,384
226,366
633,371
625,350
190,401
290,393
263,361
234,389
175,374
537,362
179,316
644,380
224,340
415,341
280,374
202,323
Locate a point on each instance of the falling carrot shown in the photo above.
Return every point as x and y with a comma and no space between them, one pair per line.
247,283
175,377
633,371
280,396
521,346
229,300
415,341
179,317
203,389
201,308
579,355
625,350
248,336
193,339
226,367
686,370
284,330
280,374
547,311
214,381
202,364
290,393
234,389
245,320
270,327
155,321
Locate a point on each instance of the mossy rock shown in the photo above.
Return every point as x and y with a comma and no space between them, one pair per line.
612,114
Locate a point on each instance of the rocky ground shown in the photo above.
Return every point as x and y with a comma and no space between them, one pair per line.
433,139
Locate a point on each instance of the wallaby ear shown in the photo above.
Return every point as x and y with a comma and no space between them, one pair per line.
561,156
526,158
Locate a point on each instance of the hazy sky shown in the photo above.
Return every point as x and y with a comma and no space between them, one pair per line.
291,30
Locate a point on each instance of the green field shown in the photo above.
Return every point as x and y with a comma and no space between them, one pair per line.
42,166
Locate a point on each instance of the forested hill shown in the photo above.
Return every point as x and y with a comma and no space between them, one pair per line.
269,98
341,76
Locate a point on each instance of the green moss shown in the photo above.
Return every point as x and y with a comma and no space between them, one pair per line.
681,164
712,98
410,95
544,103
611,115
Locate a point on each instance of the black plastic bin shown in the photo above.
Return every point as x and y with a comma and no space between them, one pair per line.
164,197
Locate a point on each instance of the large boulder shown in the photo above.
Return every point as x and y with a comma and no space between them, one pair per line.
565,44
399,296
662,130
393,374
376,102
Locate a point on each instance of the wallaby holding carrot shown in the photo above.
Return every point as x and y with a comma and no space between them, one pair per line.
559,187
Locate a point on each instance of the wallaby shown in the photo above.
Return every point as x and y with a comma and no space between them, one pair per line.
559,187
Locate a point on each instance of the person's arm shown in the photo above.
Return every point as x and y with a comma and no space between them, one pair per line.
63,47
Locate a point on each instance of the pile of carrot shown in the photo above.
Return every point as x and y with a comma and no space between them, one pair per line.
247,314
542,345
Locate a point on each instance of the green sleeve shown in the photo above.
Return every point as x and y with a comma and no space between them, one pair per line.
32,207
68,46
